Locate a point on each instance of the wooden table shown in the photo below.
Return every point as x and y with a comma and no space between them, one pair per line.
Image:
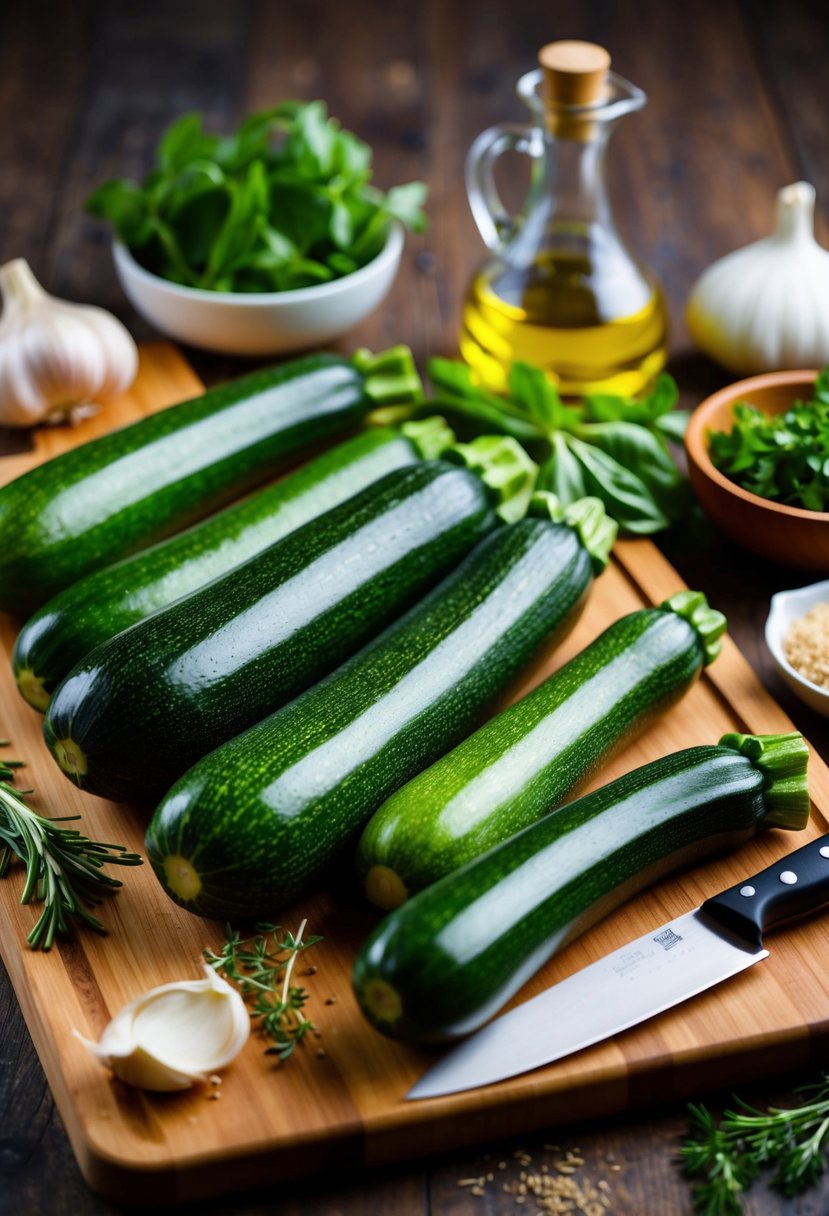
738,98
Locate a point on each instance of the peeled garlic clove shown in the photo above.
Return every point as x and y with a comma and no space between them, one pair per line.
54,355
766,306
174,1035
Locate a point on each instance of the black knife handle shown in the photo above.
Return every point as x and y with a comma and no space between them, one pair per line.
796,884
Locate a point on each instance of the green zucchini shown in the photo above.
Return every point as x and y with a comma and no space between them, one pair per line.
252,824
525,761
143,706
107,601
448,959
122,492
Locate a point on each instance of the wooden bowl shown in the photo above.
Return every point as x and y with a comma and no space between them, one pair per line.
791,536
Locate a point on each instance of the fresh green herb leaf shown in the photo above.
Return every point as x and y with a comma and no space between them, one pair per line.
731,1154
610,447
625,495
405,203
127,207
782,457
674,425
644,453
184,142
262,968
63,868
208,214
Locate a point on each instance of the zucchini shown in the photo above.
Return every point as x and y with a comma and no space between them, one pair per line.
253,823
448,959
107,601
525,761
146,704
120,493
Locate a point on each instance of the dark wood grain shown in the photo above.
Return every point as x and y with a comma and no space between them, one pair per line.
738,99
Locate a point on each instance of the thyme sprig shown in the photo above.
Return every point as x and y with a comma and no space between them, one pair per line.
731,1154
63,867
261,967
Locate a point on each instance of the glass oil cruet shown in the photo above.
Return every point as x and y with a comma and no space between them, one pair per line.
561,291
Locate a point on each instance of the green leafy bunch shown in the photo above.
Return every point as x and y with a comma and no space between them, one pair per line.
783,457
608,447
731,1155
63,867
285,202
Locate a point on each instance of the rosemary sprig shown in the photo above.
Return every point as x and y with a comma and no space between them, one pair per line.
732,1153
63,867
262,967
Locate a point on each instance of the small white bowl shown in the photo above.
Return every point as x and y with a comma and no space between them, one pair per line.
787,607
260,323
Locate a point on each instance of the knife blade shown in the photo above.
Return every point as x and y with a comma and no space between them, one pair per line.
672,963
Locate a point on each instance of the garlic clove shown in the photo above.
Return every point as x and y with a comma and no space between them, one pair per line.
174,1035
55,355
766,306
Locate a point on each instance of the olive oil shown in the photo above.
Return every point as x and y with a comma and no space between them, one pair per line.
557,320
561,291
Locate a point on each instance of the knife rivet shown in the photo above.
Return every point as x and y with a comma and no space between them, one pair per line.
788,877
747,890
824,852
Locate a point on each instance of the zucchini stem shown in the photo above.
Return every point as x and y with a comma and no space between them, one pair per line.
431,436
783,761
587,517
708,622
390,377
504,467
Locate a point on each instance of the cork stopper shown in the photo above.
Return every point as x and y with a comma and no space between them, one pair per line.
575,73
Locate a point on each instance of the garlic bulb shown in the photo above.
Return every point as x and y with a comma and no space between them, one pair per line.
56,356
176,1034
766,307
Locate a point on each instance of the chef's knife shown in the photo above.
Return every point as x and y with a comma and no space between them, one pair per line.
668,965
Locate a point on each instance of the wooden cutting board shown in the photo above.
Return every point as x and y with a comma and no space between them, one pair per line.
339,1102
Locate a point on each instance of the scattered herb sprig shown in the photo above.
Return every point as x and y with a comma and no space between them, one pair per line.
782,457
284,202
261,967
613,448
63,867
732,1154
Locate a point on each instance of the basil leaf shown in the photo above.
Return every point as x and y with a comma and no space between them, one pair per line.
531,390
201,216
184,141
125,206
636,448
244,223
674,425
404,203
605,407
577,466
562,473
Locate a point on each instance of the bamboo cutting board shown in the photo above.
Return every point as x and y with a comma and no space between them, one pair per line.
339,1102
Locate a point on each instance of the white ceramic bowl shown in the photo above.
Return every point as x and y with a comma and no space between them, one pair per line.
260,323
786,607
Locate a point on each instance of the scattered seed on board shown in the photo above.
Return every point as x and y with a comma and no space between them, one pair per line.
554,1194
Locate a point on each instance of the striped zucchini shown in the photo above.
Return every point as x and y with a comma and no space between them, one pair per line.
525,761
449,958
250,826
122,492
146,704
107,601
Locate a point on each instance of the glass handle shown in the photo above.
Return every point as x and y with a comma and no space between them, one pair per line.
493,220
